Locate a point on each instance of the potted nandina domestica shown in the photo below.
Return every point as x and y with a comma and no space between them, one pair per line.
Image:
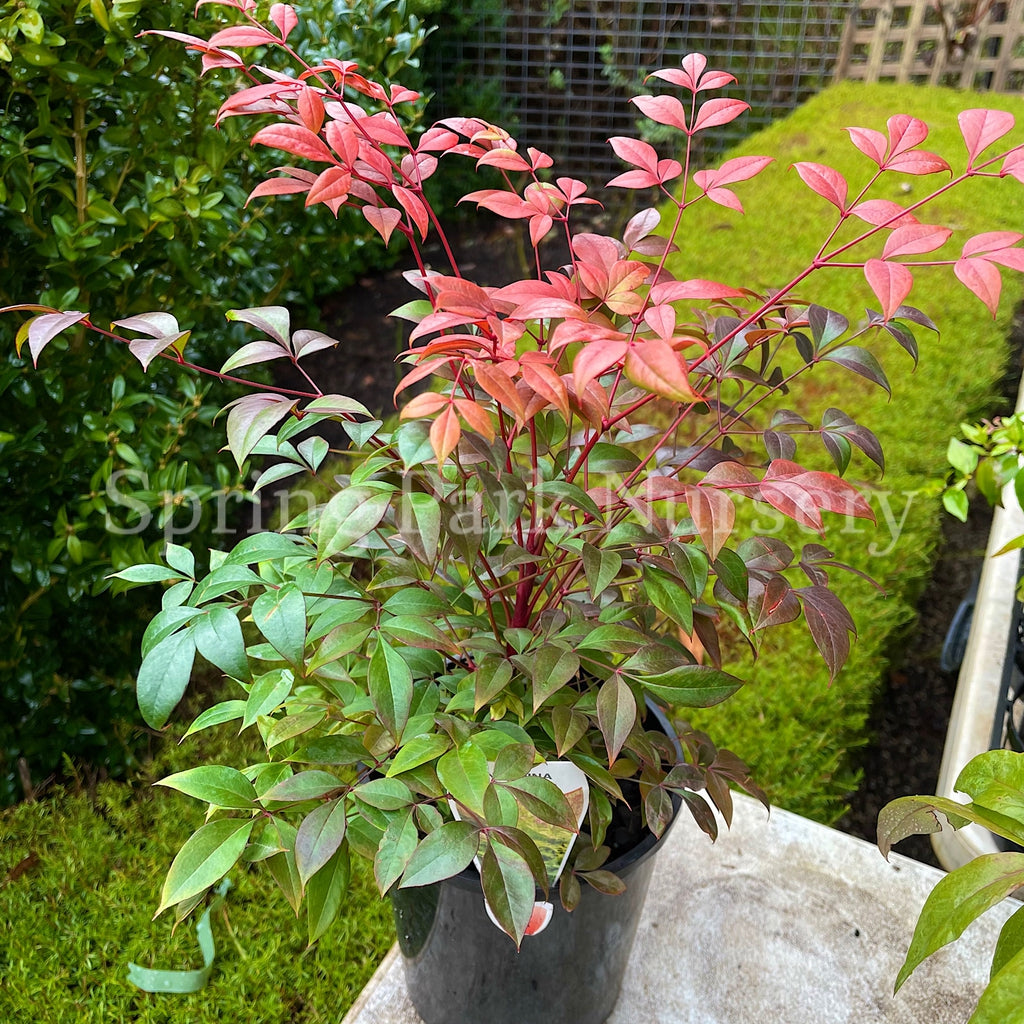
454,657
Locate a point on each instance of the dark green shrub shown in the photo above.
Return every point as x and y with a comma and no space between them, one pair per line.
115,194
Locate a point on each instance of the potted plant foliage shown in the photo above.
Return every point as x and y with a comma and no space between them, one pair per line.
500,587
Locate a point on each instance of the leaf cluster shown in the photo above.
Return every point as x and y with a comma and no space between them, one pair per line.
994,781
546,540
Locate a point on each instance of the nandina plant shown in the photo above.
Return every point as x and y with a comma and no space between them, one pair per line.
545,540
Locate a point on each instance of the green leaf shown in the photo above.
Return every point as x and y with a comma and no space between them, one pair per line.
995,781
1000,1003
347,518
395,851
544,800
956,503
319,837
600,567
492,675
692,686
384,794
334,750
390,684
445,852
1009,944
957,900
669,596
324,893
266,695
962,457
419,523
214,784
611,458
419,750
553,667
147,573
569,727
164,676
280,615
463,773
225,711
509,889
616,714
205,858
311,785
218,637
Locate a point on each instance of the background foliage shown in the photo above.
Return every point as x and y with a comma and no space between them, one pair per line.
117,194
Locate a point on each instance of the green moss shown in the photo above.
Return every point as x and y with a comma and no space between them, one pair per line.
83,875
798,733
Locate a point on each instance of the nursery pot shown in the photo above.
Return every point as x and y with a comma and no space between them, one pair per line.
461,969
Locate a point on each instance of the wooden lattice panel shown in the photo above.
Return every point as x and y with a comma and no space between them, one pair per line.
966,45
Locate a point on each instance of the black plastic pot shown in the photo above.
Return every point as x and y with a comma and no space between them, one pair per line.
461,969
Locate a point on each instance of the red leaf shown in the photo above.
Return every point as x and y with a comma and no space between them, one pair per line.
445,432
695,288
982,278
506,159
717,112
596,358
830,625
656,366
504,204
871,143
413,205
296,139
713,515
243,35
635,152
826,181
980,128
499,386
914,239
311,109
891,283
383,220
739,169
343,139
663,109
330,184
277,187
284,17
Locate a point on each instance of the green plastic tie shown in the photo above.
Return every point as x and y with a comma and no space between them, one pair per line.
182,982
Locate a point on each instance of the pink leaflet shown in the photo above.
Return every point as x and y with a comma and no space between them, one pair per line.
917,162
883,211
982,278
242,36
905,133
717,112
295,139
989,241
284,17
980,128
914,239
891,283
871,143
695,288
663,109
739,169
331,184
1013,165
383,220
826,181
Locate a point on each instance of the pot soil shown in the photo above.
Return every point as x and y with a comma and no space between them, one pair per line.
461,969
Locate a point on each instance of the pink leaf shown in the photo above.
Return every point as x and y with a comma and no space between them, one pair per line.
243,36
980,128
725,197
739,169
255,352
695,288
905,133
277,187
693,74
914,239
284,17
713,515
982,278
917,162
383,220
718,111
891,283
295,139
596,358
251,418
147,349
506,159
826,181
156,325
883,211
989,241
41,330
663,109
504,204
1013,165
634,179
871,143
655,366
635,152
640,226
331,184
343,139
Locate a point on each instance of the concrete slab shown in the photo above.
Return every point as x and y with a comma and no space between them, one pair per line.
783,921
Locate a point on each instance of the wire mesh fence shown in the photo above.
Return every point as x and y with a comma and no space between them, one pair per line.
565,69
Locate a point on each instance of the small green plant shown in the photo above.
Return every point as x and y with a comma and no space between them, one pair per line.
547,539
994,780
